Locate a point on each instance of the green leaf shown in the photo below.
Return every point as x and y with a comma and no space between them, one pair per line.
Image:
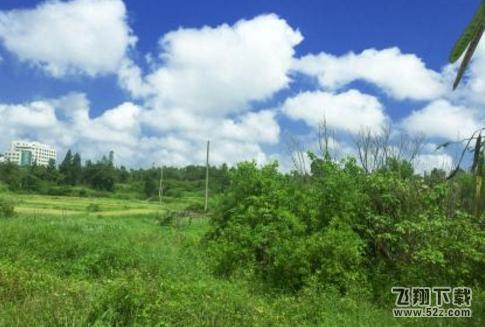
443,145
468,56
469,34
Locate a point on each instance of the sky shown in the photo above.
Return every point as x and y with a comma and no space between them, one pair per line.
154,80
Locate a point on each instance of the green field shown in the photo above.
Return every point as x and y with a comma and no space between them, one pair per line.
63,264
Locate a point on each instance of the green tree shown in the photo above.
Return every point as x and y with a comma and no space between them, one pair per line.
76,170
11,174
123,175
150,187
32,177
102,174
51,172
65,168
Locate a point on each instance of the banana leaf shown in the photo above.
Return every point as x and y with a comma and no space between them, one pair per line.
468,56
470,33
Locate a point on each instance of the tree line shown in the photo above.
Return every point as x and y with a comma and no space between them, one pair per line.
103,178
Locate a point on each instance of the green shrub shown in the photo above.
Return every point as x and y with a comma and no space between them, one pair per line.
344,229
167,218
289,231
195,207
59,191
3,188
7,208
93,207
174,193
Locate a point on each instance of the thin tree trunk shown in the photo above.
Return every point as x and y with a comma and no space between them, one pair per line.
160,187
207,178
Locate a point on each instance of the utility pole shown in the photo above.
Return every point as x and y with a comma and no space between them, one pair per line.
160,187
207,177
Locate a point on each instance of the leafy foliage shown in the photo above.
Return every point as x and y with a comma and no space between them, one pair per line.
468,41
7,207
87,269
342,228
103,178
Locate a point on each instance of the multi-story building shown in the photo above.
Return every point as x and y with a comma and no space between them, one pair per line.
26,153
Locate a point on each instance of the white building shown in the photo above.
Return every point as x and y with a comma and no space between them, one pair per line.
26,153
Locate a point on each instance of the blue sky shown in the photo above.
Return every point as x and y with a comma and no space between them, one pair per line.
426,28
67,70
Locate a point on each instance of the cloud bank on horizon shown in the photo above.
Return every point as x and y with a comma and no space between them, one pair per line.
211,83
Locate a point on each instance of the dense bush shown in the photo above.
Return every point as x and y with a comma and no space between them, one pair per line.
340,227
93,207
4,188
7,207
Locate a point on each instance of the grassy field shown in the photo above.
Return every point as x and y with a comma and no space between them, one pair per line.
107,262
58,206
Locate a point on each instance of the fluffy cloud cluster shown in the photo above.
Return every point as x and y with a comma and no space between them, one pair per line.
65,123
350,111
202,85
454,115
442,119
83,36
402,76
220,70
445,114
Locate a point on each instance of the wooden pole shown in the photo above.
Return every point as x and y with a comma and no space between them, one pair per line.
160,186
207,177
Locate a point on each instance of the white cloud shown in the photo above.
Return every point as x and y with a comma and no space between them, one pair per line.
471,90
348,111
65,123
237,152
130,78
199,88
220,70
442,119
125,117
402,76
427,162
232,140
37,115
257,127
203,83
79,36
178,151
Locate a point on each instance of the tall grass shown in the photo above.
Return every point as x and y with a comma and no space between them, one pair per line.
86,270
